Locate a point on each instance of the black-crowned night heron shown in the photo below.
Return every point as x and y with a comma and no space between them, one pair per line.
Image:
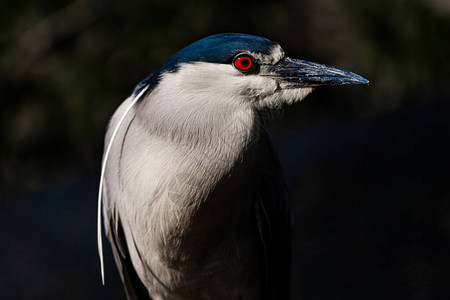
194,204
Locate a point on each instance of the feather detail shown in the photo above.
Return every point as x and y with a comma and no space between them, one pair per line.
100,188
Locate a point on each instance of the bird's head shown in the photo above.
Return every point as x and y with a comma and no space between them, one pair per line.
242,69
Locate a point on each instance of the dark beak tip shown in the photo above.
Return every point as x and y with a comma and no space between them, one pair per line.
354,79
362,81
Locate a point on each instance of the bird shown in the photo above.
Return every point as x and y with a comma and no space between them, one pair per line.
191,191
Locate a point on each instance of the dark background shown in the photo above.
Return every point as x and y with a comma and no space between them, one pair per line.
367,166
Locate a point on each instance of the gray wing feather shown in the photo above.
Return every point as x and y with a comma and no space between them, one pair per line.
134,288
274,217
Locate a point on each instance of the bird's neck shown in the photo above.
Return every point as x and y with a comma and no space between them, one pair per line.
213,126
212,177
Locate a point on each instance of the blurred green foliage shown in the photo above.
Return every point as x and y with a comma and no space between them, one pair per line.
66,65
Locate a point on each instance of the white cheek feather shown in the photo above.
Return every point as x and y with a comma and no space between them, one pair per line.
221,83
284,96
209,89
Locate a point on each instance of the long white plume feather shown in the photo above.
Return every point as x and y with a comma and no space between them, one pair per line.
100,188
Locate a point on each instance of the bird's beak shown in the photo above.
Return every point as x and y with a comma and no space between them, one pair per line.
294,73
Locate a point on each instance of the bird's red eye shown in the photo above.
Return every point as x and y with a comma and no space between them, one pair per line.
243,62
